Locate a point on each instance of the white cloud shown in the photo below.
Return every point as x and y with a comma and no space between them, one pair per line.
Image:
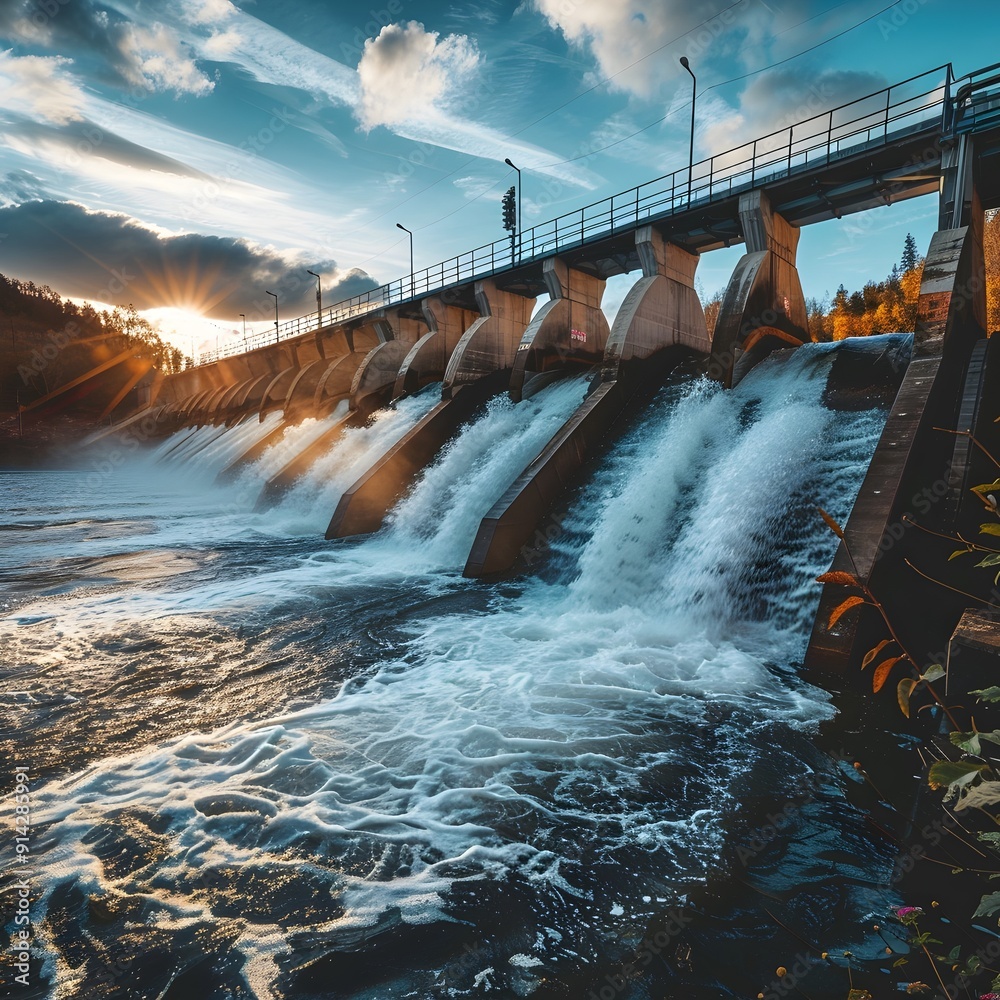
408,72
270,56
157,60
222,45
618,33
490,144
208,11
37,84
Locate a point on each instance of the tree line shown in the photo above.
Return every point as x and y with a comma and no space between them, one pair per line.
32,310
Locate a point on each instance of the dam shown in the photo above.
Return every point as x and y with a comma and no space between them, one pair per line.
472,326
455,647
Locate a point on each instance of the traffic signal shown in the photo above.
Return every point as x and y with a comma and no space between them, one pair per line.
510,210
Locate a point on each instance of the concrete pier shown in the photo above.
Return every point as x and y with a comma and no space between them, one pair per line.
490,344
763,306
428,358
478,366
569,331
363,507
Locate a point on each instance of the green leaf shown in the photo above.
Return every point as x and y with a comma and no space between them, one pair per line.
991,737
949,773
987,487
990,838
934,671
990,528
957,553
990,560
995,985
969,742
987,694
988,905
973,965
899,963
954,954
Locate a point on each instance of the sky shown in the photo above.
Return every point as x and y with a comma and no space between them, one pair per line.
187,155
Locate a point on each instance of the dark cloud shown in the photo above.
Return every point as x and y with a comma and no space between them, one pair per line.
83,138
787,95
114,46
113,258
780,98
74,27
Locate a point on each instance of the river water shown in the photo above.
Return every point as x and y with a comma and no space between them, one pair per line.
266,765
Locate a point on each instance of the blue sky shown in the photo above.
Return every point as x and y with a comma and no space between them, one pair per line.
188,154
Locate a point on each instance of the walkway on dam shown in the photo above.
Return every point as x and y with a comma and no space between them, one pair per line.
809,169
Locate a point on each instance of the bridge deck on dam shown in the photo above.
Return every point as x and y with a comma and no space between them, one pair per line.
877,150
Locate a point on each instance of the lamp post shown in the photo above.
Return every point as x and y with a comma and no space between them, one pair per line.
243,316
694,96
319,300
512,167
399,225
275,297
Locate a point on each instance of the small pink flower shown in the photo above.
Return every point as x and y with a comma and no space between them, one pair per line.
989,996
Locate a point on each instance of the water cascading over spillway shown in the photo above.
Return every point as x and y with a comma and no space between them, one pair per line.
518,782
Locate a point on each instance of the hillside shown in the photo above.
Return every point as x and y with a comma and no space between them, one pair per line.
68,366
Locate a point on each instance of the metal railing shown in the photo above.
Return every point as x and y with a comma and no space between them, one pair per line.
916,105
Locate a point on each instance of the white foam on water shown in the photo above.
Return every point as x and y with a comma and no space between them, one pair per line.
436,523
293,440
310,503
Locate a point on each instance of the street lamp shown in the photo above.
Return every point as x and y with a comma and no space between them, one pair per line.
319,300
275,297
243,316
399,225
694,96
512,167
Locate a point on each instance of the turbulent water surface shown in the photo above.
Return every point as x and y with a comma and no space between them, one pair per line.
265,765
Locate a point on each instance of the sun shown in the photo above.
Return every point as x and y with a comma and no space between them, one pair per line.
190,330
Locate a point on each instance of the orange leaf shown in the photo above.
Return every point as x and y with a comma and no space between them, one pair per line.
841,608
903,691
872,653
839,576
831,523
882,673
